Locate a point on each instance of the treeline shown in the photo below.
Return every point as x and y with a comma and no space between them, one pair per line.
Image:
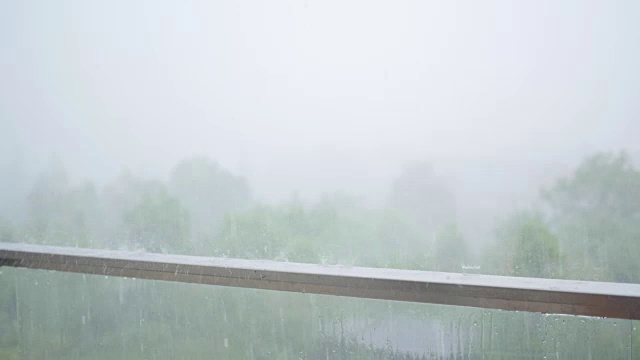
584,226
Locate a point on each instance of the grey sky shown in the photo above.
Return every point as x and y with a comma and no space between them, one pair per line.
316,96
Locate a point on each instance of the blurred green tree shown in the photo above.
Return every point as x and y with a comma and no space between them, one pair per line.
450,249
59,213
335,230
209,192
526,247
597,211
159,223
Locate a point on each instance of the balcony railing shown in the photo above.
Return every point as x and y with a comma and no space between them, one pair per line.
600,299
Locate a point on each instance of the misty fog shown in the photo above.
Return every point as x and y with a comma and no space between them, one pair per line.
315,97
304,101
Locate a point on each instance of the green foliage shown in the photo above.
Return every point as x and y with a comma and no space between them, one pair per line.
604,182
158,222
597,212
335,230
401,243
117,199
59,213
526,247
450,248
7,232
259,233
208,192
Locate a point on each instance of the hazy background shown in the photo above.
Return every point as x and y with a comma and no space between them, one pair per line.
320,96
315,103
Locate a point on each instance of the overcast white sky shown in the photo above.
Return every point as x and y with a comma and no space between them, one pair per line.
317,96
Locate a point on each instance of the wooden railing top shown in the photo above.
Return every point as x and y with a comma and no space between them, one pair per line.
587,298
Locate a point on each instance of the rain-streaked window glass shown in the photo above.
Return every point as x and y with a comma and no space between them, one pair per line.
475,137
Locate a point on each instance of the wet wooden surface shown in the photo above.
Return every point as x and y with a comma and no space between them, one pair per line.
570,297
